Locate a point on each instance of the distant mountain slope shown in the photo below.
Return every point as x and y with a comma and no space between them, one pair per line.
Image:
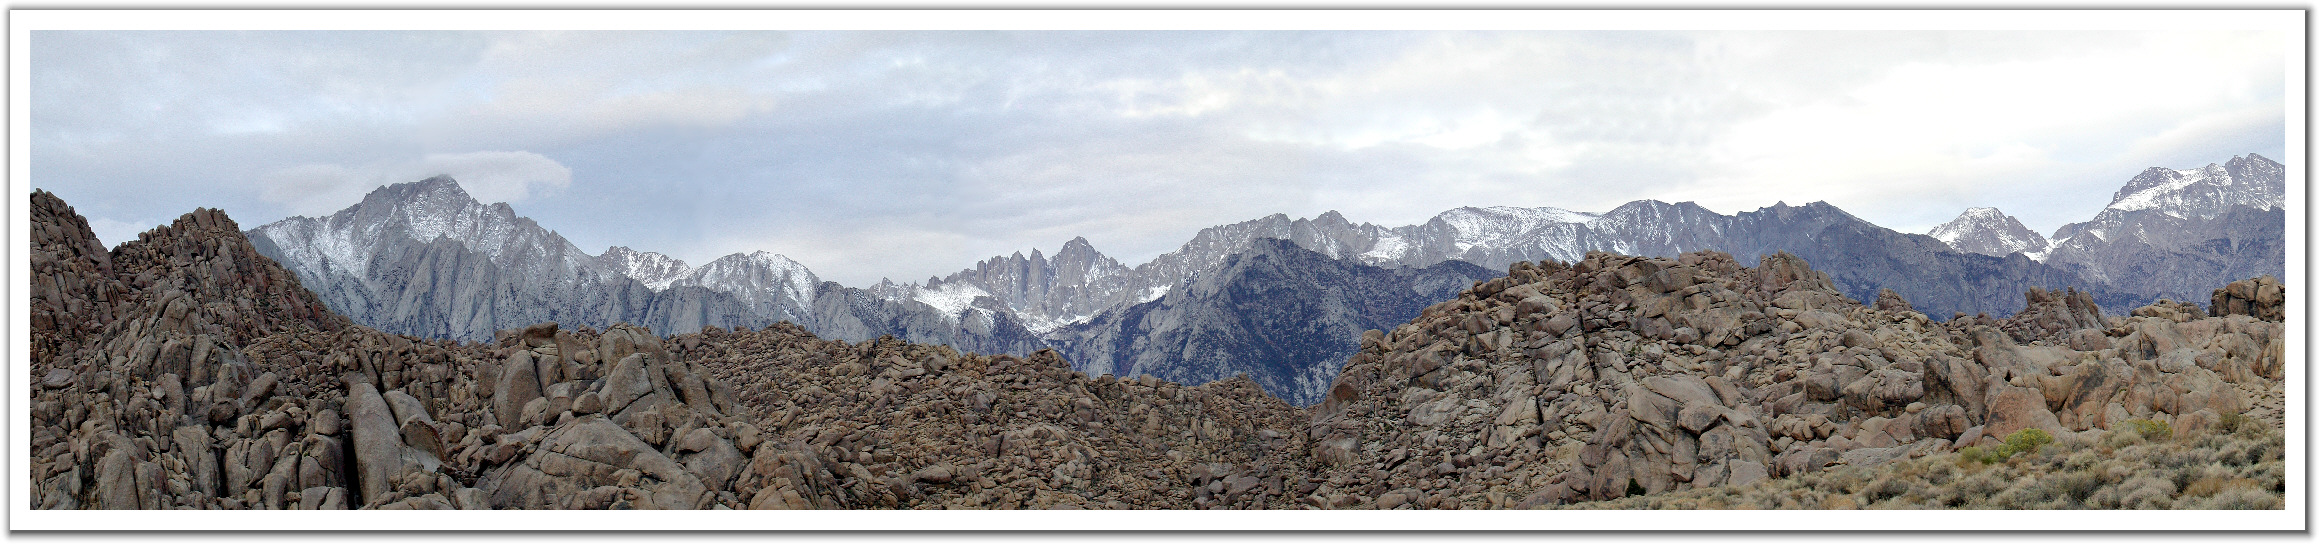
1988,232
1284,315
426,259
423,258
2179,234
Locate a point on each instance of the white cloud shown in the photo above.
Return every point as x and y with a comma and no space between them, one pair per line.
500,176
908,153
489,176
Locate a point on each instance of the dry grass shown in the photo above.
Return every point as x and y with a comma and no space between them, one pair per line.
2133,467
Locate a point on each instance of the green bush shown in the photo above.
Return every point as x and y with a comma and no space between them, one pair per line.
2150,429
2023,441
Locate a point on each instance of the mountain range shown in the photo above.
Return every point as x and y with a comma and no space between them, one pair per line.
2167,233
1277,298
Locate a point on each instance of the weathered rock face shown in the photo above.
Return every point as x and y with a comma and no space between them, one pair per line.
887,424
74,291
2262,297
218,382
2053,316
1620,375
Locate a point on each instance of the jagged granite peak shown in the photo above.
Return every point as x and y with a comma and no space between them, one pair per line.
655,270
1989,232
2251,180
2177,234
425,258
756,277
1281,314
1476,226
1045,292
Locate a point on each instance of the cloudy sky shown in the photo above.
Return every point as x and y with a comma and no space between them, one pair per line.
909,154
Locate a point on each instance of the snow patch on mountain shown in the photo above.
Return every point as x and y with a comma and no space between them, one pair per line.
2172,181
1989,232
950,298
1493,226
755,275
655,270
2203,193
1154,293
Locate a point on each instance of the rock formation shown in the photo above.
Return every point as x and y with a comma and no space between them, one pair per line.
1622,375
184,370
2262,297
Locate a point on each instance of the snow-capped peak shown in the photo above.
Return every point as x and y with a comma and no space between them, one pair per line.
657,271
422,212
2204,192
951,298
753,276
1988,231
1480,226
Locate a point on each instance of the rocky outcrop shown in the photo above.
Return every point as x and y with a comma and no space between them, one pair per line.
220,383
74,290
2056,316
1621,375
2262,297
889,424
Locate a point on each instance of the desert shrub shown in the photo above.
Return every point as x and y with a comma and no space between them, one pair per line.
2245,453
1970,456
1984,484
2023,441
2151,430
1940,473
2212,485
2240,498
2081,460
2029,493
2075,485
2143,492
2122,438
2231,423
1886,489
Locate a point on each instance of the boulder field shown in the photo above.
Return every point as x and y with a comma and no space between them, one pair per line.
182,370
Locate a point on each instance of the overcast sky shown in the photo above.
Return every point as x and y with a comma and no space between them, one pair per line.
908,154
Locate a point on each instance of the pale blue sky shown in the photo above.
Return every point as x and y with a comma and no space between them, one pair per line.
909,154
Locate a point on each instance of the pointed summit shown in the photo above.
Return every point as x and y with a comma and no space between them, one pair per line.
438,189
1079,248
654,269
1988,232
2205,192
440,181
